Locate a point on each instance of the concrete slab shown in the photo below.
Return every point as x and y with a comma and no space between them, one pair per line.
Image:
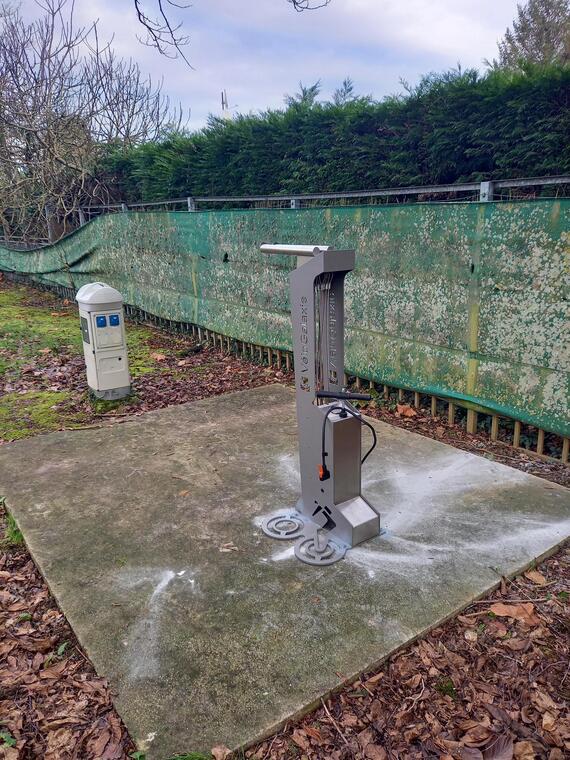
205,646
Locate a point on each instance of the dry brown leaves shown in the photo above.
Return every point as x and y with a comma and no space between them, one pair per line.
420,421
404,410
52,703
492,684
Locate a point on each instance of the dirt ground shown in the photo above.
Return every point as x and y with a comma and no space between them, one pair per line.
491,684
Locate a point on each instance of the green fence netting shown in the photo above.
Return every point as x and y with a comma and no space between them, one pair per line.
461,300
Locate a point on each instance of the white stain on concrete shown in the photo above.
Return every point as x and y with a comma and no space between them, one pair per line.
142,654
288,471
412,496
395,555
411,501
282,554
524,537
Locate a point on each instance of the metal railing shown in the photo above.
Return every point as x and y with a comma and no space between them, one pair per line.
487,190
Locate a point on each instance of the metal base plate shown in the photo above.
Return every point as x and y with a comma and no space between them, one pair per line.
285,526
319,549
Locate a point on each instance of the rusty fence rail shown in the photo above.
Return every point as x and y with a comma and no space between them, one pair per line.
502,428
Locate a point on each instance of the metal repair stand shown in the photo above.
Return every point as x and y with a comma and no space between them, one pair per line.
331,516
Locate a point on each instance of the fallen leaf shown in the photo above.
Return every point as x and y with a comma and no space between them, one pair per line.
300,739
184,493
9,753
349,719
375,752
544,703
497,629
405,410
523,612
476,736
314,733
229,547
470,753
548,721
158,357
535,577
517,645
220,752
501,748
470,635
374,679
524,751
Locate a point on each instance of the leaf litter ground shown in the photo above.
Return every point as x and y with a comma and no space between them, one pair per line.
491,684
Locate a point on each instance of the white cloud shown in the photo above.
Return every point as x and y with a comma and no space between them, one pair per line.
259,49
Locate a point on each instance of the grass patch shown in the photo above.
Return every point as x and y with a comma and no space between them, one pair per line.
26,330
7,740
140,350
25,414
446,687
104,406
12,534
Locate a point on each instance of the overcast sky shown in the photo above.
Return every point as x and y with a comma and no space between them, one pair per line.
258,50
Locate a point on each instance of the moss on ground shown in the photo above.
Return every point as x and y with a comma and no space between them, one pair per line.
104,406
28,330
25,414
33,332
13,536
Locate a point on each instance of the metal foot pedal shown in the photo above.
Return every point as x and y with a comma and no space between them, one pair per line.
319,549
284,527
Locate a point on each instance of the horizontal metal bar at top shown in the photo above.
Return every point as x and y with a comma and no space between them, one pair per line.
464,187
531,182
409,190
380,193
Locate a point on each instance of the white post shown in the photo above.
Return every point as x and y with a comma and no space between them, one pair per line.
486,192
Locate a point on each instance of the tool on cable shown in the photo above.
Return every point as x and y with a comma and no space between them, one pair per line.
332,515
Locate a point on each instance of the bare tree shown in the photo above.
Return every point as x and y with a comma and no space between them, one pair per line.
64,98
308,5
168,37
540,34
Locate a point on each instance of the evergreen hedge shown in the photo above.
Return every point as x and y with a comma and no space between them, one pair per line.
456,126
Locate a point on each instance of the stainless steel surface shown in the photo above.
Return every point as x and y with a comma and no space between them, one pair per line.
294,250
334,504
284,526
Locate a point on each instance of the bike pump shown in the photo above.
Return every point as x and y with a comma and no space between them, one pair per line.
331,516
